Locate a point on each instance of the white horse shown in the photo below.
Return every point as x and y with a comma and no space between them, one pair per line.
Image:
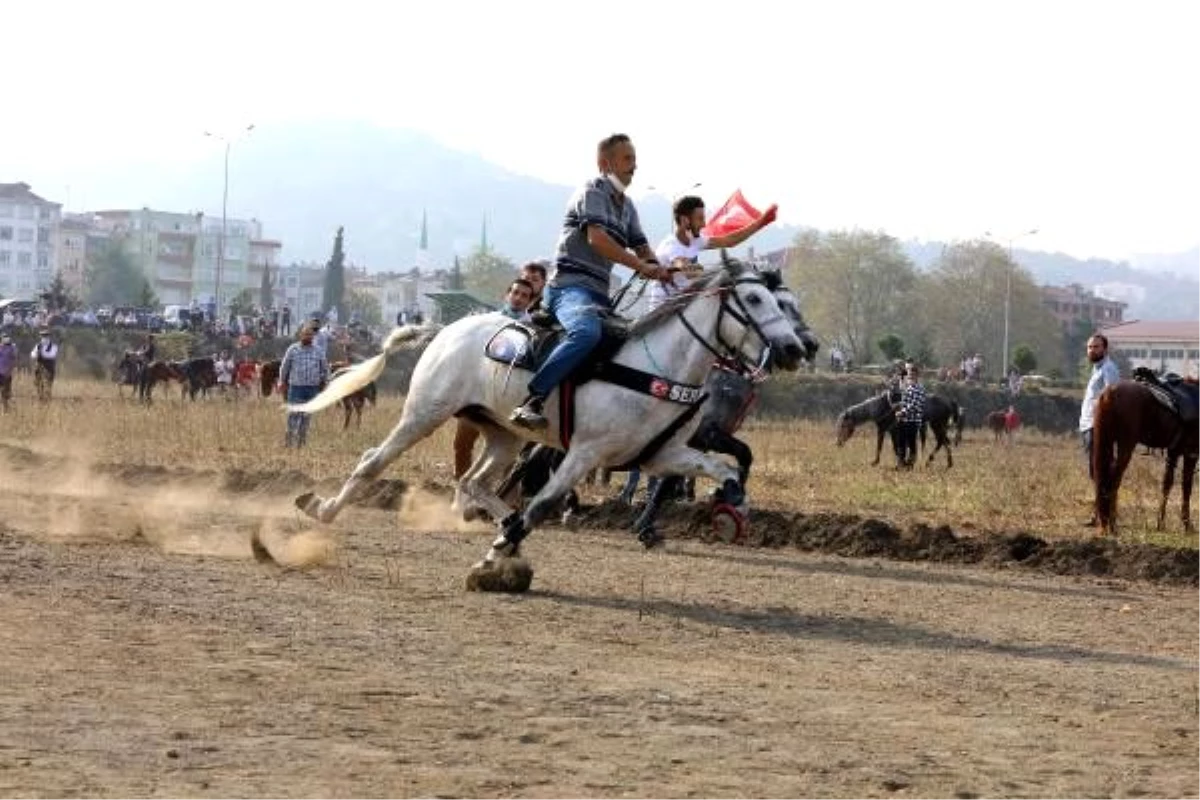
730,313
631,303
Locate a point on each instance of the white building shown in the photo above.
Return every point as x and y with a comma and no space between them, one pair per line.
179,253
28,241
1161,346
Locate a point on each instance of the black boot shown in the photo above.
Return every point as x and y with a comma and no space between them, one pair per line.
529,414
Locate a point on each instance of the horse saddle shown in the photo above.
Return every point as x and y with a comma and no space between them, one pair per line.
527,345
1180,396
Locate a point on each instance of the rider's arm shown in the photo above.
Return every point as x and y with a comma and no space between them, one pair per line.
742,234
604,245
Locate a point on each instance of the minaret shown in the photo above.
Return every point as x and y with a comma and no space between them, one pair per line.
422,261
483,242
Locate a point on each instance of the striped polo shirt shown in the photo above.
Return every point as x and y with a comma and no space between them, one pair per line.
597,203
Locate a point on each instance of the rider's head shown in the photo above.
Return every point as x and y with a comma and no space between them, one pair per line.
689,214
617,159
519,295
535,273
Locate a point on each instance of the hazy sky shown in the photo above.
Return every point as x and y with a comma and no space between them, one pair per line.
929,120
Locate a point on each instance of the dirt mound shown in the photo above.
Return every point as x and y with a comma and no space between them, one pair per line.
852,536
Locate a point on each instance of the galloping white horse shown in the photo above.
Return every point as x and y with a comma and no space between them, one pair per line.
729,313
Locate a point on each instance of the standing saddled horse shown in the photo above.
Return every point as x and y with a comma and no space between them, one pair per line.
646,418
1152,413
881,409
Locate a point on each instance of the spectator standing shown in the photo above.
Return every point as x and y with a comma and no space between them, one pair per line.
1104,374
302,375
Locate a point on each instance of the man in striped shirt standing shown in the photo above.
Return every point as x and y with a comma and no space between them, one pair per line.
601,228
911,415
301,376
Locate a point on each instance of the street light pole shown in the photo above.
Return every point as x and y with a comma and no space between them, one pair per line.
224,216
1008,291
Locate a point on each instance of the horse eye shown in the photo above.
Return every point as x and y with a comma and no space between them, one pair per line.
754,300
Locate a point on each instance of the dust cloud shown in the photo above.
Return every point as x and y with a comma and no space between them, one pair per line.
59,492
426,512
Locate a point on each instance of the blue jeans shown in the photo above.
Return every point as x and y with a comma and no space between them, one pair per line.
297,423
578,310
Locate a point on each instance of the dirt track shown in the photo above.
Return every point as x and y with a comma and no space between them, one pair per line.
146,653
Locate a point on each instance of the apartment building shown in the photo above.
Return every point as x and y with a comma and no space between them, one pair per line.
29,236
1073,303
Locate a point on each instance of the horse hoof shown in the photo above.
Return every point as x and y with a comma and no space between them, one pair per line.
261,554
729,526
650,538
507,575
310,504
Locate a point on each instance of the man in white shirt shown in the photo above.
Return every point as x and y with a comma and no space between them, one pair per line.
681,250
45,352
1104,374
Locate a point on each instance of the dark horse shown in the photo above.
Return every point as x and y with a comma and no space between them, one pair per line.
881,409
133,371
1129,413
353,403
196,375
268,374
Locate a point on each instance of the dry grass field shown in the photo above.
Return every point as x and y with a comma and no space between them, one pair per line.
147,653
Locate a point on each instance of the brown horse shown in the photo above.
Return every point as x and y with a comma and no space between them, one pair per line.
1128,413
353,403
268,376
132,371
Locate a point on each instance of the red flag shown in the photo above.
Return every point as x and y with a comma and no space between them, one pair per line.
736,214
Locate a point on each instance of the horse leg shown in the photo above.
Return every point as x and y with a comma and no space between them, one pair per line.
1124,453
943,440
1189,475
412,428
688,462
880,433
347,407
665,491
515,527
1167,481
500,450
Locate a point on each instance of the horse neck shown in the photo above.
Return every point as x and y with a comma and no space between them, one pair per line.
867,410
671,350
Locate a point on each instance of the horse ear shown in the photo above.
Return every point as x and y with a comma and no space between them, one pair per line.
731,265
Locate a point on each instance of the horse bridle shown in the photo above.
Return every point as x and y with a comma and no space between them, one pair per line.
741,315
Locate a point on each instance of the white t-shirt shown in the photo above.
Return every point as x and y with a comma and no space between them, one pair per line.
668,250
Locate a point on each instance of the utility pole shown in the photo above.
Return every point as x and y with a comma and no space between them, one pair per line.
224,213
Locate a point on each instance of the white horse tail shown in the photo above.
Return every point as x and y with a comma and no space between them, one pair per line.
367,372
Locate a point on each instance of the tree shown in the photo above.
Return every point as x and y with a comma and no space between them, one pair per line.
1024,359
266,289
965,297
242,304
488,275
855,284
892,346
335,278
113,278
366,305
146,297
454,282
58,296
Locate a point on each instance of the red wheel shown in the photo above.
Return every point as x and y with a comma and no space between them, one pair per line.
728,524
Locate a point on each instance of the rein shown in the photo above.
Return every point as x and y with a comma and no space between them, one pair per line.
732,355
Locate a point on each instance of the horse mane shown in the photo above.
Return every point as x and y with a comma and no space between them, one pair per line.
709,279
860,412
